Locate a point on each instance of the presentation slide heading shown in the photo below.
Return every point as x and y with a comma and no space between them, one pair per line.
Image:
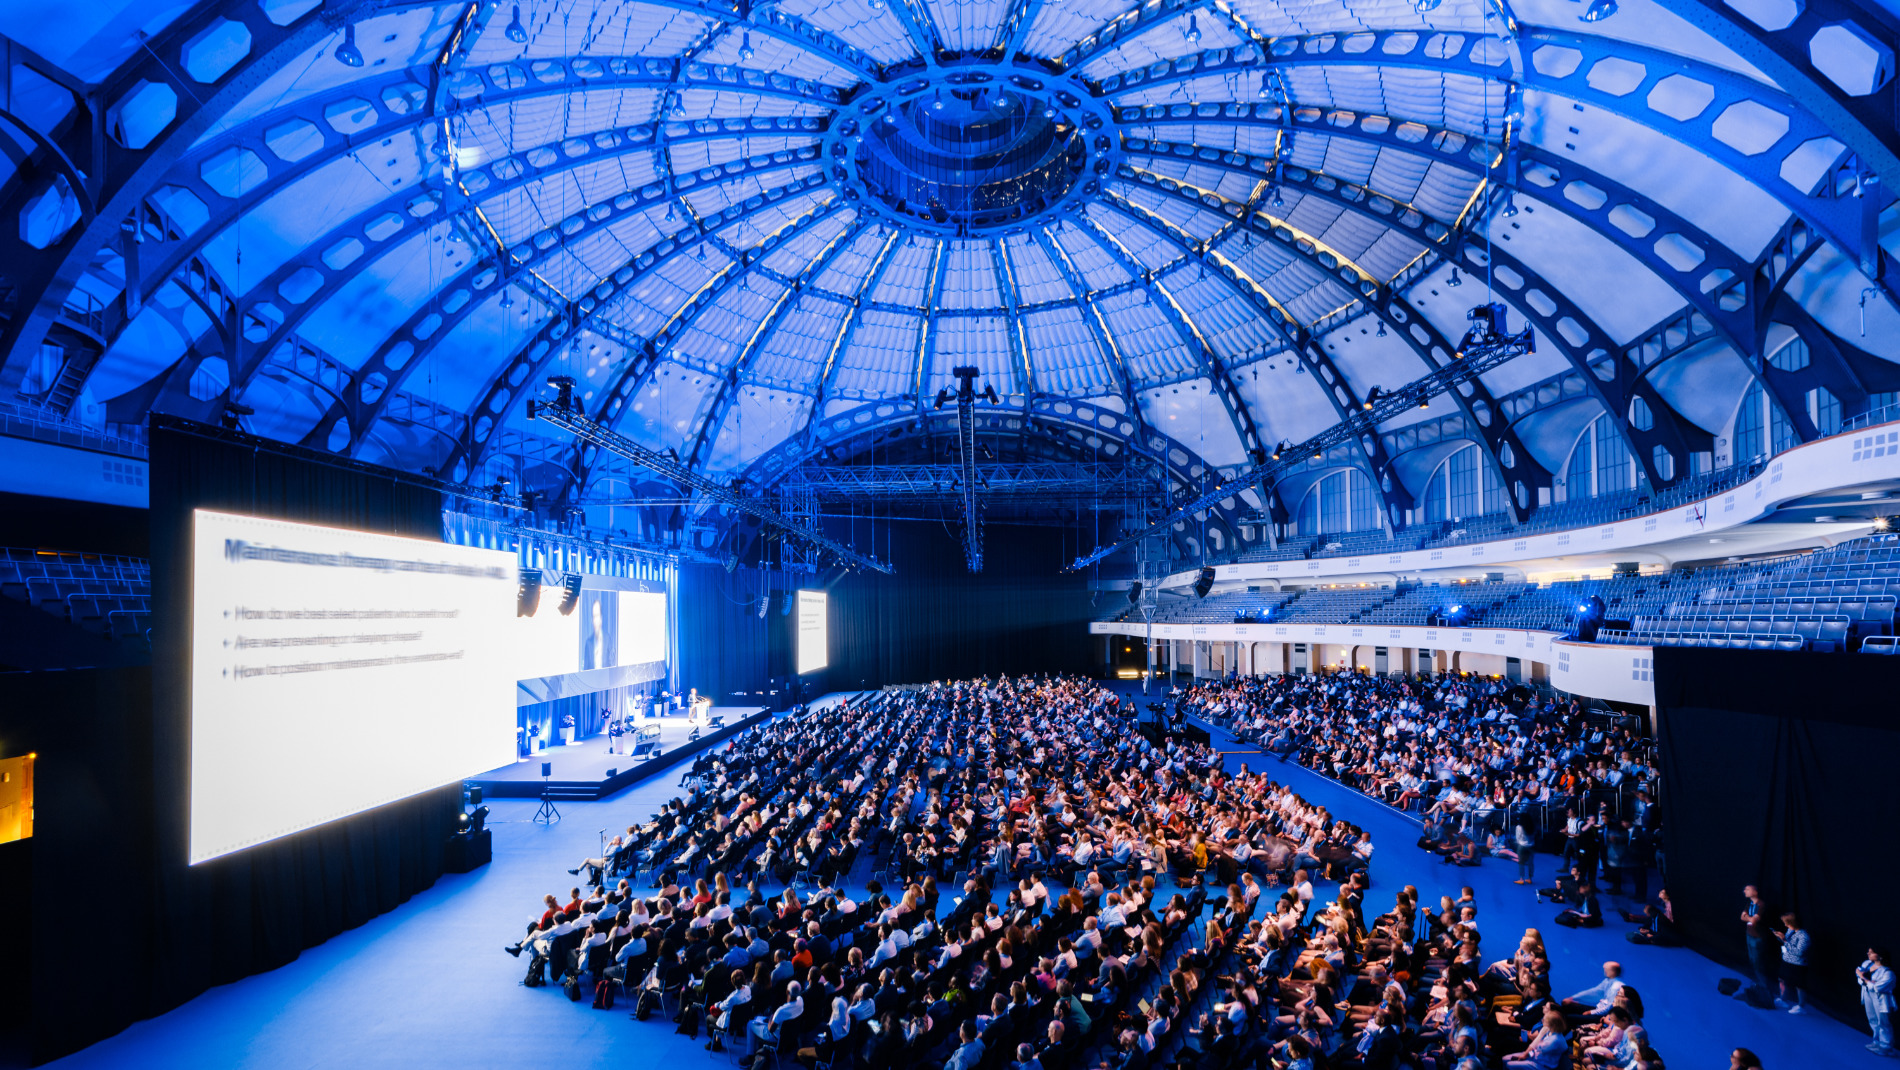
240,550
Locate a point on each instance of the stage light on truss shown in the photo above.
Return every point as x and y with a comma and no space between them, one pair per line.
516,32
745,47
347,53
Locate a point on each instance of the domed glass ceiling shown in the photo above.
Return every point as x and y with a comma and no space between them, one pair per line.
751,232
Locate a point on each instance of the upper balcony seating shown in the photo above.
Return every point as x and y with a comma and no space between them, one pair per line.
104,594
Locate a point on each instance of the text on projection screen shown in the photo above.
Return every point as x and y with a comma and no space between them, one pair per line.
333,671
812,653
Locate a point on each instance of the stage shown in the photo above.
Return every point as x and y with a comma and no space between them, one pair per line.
587,771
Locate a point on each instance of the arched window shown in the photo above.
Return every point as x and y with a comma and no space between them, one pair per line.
1600,463
1761,430
1463,485
1339,502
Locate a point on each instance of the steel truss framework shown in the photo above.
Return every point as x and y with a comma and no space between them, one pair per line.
1836,202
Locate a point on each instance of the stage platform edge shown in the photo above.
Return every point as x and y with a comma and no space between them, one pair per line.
515,786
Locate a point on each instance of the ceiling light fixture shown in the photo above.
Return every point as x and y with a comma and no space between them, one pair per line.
679,107
745,47
1266,86
1194,29
1425,7
1456,279
516,32
1598,11
347,53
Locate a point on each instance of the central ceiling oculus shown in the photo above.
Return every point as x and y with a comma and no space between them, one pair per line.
966,151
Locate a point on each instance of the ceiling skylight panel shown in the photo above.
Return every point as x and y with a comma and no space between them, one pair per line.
1057,26
737,103
1098,268
1198,220
1356,88
1349,161
585,27
1233,327
1165,40
980,341
907,273
1148,248
881,358
751,231
878,33
967,25
657,293
1277,18
1444,191
792,355
714,152
1258,139
581,262
1390,254
1147,341
1351,234
1473,106
1398,174
1206,89
1038,279
420,34
774,56
1063,352
969,279
721,331
848,264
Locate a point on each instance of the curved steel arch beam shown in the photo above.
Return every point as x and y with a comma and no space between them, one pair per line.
1332,382
410,345
1592,347
728,394
1865,123
1590,70
1480,409
1211,365
1024,375
516,377
376,229
851,321
1112,357
120,175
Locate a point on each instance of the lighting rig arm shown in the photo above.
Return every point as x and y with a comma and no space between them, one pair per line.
565,412
966,396
1486,345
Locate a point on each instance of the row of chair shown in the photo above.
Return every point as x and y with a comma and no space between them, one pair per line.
1674,637
1871,609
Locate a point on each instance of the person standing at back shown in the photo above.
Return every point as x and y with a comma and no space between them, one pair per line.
1876,998
1755,927
1794,964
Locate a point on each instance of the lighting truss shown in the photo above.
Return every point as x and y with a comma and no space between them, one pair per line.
1039,481
1485,346
565,412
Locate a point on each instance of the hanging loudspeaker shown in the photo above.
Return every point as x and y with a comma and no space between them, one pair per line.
570,593
765,604
785,603
1204,582
528,594
1134,592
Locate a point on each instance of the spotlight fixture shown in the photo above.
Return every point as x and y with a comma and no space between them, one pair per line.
1266,86
679,107
745,47
516,32
1194,28
1381,328
347,53
1424,7
1279,449
1456,279
1598,11
1373,395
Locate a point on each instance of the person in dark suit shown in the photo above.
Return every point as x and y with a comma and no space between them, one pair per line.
1586,914
1378,1047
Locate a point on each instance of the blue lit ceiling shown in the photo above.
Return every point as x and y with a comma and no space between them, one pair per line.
752,231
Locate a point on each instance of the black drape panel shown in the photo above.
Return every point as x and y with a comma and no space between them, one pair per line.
933,620
115,765
722,639
1779,771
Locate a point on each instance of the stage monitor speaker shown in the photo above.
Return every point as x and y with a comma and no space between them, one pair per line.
473,792
1134,592
1204,582
528,594
613,772
547,769
570,593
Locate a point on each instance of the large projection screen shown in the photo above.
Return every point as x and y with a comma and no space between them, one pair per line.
642,636
333,671
812,652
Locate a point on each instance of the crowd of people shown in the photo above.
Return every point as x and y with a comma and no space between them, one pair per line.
1051,889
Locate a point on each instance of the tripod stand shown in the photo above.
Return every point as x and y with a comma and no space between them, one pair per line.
546,814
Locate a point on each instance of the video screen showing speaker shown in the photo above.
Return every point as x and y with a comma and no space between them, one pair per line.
642,628
813,653
333,671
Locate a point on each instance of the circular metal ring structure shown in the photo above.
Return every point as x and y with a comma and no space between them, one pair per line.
972,147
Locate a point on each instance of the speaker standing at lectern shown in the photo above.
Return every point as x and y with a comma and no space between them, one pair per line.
698,710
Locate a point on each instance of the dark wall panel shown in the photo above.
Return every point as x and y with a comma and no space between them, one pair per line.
933,620
1778,771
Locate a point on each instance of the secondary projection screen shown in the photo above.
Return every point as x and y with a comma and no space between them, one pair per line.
812,652
642,634
333,671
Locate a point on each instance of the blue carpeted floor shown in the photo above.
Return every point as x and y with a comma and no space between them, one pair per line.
429,986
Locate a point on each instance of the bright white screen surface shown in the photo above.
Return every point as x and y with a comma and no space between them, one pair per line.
546,644
333,671
642,627
812,652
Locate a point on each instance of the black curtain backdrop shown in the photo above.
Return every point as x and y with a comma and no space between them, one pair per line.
1778,771
933,620
114,764
722,640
